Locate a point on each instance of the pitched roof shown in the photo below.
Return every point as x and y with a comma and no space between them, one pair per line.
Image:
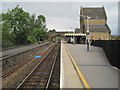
99,28
95,13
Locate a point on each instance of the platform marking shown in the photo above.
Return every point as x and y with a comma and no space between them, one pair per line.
78,71
61,70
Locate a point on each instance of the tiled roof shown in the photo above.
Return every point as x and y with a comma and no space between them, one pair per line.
95,13
99,28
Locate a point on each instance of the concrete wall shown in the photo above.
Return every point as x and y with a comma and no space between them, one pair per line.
112,50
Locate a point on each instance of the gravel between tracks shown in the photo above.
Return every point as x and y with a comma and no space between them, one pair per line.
13,60
15,78
19,49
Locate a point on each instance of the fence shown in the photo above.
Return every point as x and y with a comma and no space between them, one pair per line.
112,50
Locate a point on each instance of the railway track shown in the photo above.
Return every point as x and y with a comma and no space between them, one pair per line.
14,59
46,74
55,78
16,67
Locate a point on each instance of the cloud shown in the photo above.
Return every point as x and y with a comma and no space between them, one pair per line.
63,15
61,23
60,0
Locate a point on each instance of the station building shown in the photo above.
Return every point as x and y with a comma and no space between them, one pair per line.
96,24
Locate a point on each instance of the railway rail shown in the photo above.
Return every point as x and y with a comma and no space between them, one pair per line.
16,67
55,78
46,73
6,57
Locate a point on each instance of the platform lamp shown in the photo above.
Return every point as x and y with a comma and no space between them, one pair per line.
87,32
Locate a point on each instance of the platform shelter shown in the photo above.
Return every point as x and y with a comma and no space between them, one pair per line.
79,38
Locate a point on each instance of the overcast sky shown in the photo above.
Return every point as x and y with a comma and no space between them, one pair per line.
63,15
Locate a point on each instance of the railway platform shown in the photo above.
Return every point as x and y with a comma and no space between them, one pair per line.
90,69
69,75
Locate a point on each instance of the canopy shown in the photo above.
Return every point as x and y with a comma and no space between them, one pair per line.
75,34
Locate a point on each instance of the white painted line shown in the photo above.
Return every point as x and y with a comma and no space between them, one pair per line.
61,70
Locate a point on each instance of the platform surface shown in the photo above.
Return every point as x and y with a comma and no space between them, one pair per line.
94,66
70,77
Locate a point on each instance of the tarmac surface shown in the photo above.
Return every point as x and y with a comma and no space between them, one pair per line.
94,66
70,78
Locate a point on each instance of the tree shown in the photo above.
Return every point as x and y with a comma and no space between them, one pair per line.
21,27
40,21
7,37
40,28
19,23
52,30
0,30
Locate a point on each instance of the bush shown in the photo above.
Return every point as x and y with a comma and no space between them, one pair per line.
31,39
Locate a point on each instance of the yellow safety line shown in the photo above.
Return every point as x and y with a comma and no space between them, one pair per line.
78,71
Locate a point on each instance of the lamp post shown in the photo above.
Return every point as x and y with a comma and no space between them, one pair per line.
87,32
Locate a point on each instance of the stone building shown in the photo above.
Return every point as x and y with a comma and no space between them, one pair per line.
96,23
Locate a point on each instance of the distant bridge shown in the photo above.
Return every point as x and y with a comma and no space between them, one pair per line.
53,34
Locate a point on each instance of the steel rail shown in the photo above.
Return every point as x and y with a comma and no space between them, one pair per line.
22,83
13,69
4,58
49,79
